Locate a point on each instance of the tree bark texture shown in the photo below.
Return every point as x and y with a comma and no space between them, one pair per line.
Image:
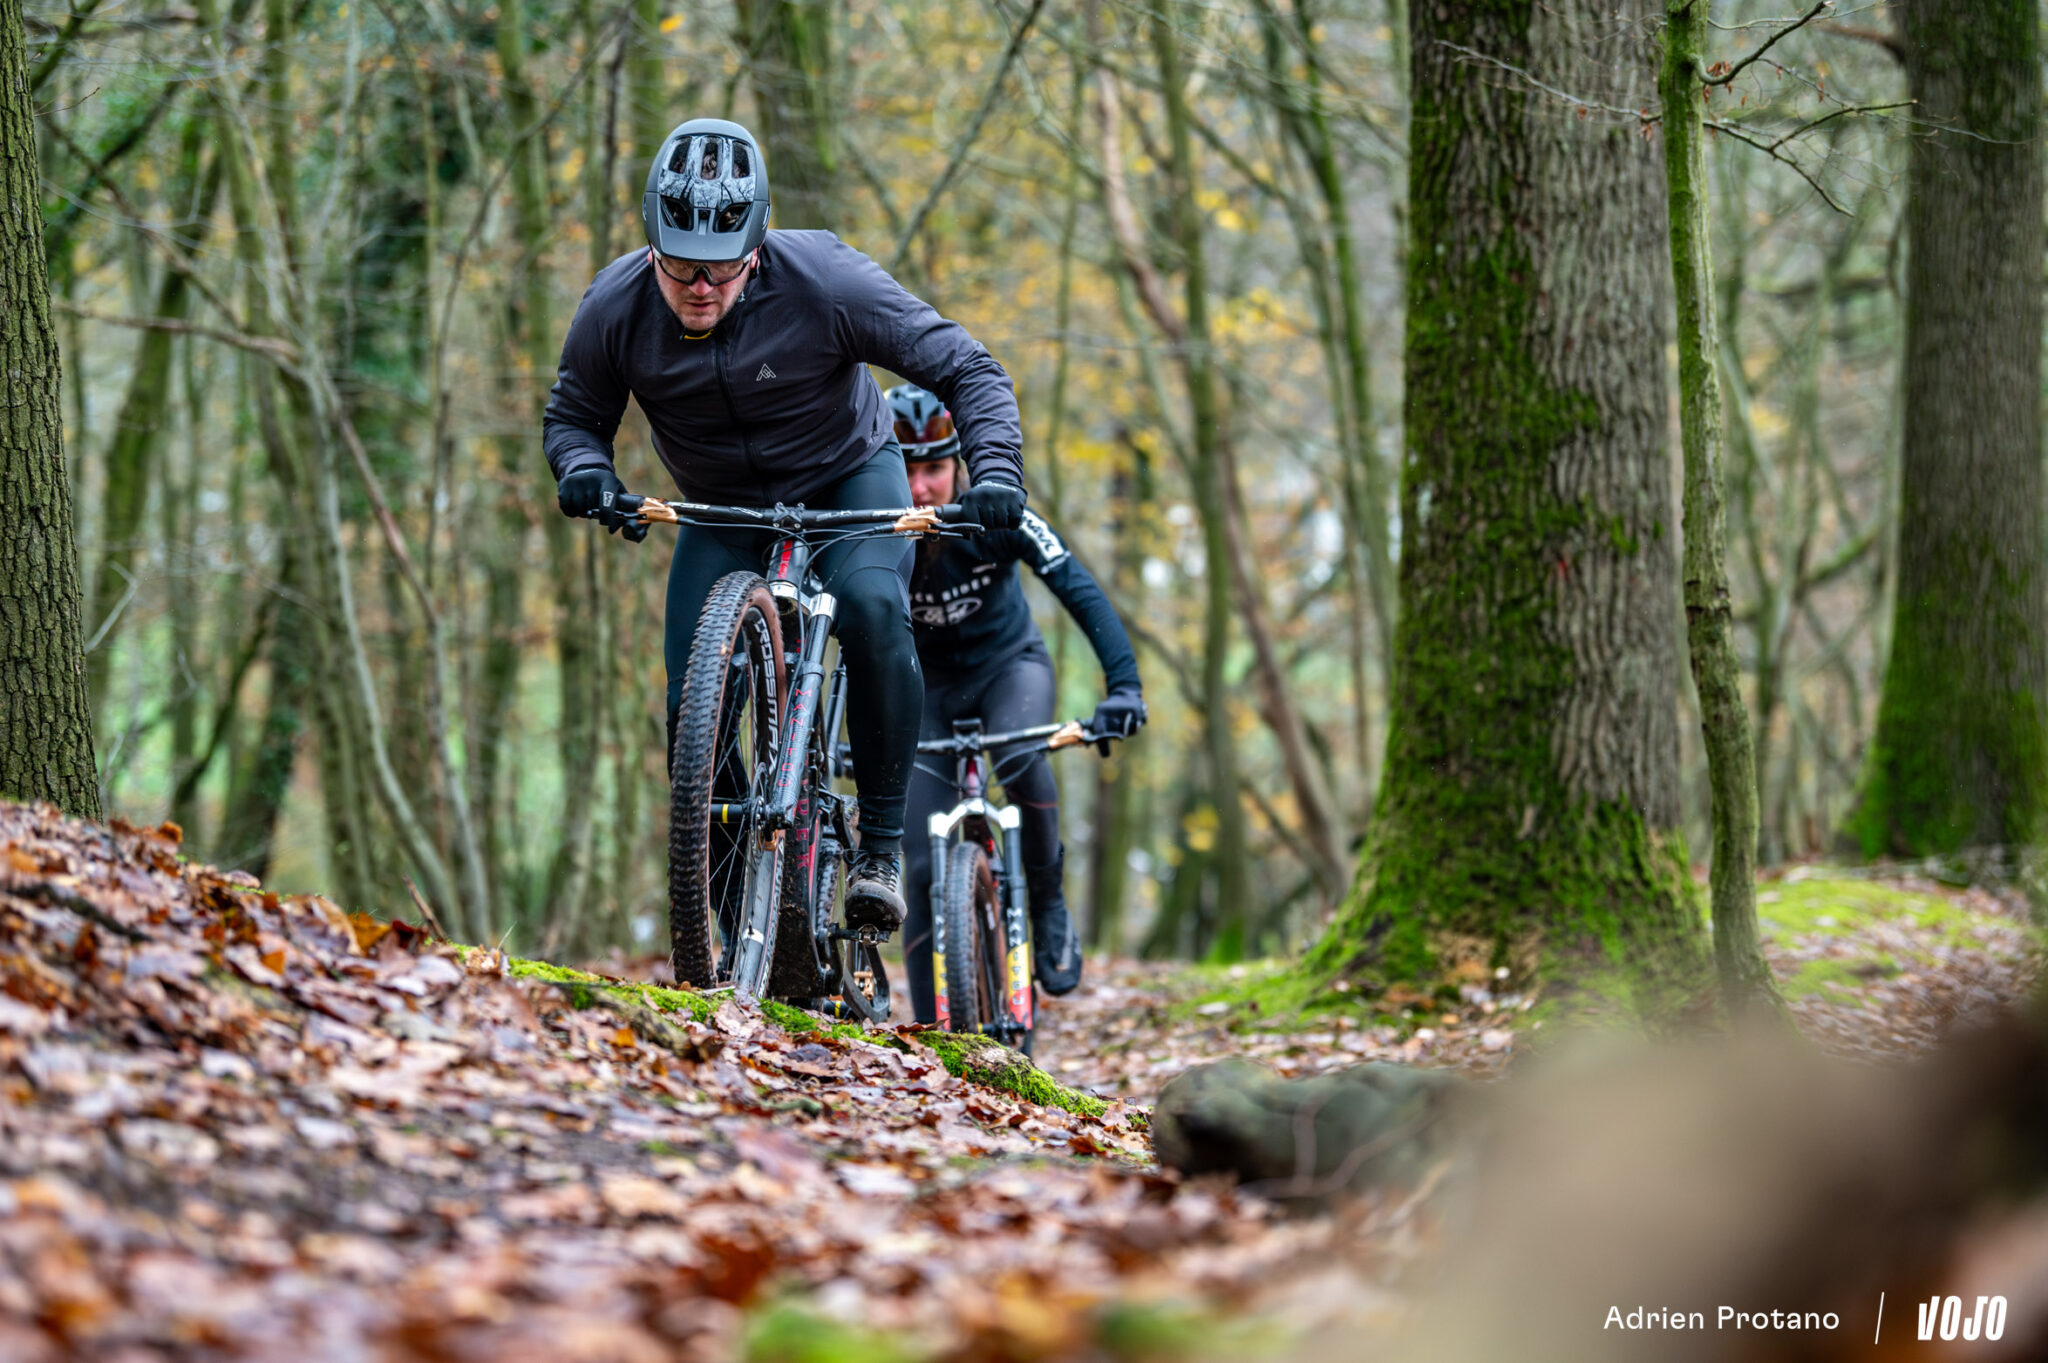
1959,758
46,750
789,57
1529,805
1709,619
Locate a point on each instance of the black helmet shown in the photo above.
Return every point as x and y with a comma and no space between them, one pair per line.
707,193
924,428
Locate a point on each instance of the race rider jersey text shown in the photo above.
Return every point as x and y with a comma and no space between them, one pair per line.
968,605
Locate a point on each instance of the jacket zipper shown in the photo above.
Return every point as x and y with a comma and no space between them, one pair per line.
731,407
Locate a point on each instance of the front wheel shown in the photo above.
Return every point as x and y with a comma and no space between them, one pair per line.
974,940
723,866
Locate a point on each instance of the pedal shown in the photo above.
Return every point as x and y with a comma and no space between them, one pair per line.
865,935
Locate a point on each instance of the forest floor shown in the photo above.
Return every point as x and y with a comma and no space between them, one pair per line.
239,1125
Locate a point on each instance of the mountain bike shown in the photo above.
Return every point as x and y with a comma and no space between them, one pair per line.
757,834
981,945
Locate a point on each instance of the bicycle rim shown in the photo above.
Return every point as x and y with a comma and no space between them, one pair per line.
724,874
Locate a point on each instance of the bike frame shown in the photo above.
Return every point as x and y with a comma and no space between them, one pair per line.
804,768
990,825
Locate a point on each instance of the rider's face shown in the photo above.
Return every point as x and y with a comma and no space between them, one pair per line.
931,481
700,305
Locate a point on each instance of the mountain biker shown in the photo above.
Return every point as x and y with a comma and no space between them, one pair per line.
984,657
747,350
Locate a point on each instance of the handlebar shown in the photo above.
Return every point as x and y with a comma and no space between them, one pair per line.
1070,734
909,520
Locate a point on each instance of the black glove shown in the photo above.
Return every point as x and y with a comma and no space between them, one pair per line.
994,506
1121,714
589,493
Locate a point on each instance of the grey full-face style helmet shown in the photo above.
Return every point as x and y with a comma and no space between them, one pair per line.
707,192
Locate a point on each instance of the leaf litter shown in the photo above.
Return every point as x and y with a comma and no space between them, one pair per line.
238,1125
235,1124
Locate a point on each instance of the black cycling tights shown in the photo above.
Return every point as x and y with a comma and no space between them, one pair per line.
871,578
1015,693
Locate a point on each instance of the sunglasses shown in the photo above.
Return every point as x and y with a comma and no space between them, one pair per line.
937,427
717,273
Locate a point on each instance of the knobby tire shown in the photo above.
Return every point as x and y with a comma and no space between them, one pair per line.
723,876
974,996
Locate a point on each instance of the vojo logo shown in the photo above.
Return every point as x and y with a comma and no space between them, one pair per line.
1944,1315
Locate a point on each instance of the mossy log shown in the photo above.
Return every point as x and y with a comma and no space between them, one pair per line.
984,1060
1308,1139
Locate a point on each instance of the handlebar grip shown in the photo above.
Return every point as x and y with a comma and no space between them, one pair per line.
628,502
954,516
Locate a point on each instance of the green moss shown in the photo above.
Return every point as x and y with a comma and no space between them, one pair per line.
984,1060
1142,1332
786,1333
699,1006
1840,905
1793,913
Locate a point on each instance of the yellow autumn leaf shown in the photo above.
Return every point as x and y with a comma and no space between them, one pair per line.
672,23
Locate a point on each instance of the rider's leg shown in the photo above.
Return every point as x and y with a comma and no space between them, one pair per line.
1021,695
885,695
930,793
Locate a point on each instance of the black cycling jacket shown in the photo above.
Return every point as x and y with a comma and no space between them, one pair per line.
968,609
776,401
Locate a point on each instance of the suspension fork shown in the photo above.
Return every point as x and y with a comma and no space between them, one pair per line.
1016,938
803,714
939,828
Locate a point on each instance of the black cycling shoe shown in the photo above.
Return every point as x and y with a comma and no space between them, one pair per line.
874,890
1055,950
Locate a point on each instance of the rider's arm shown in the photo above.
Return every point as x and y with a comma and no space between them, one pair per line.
1082,595
883,323
589,396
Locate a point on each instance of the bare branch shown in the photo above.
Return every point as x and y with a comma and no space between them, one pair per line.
1123,219
967,137
1770,149
1831,117
1643,116
281,352
1729,75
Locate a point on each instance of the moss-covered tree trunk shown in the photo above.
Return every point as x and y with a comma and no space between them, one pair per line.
1746,989
45,720
1958,759
789,59
1530,794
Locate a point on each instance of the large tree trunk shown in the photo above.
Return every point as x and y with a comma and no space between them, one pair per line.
1960,755
1530,795
45,719
789,56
